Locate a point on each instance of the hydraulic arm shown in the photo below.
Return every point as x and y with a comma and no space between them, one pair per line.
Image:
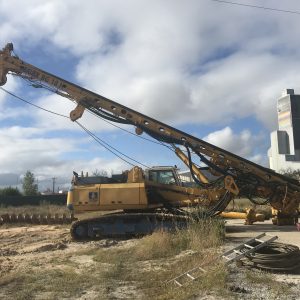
248,179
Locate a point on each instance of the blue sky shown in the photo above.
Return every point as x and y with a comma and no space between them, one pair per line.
207,68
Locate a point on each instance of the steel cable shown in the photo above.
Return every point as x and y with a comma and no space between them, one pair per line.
97,139
277,257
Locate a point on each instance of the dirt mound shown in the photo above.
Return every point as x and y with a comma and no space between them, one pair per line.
8,252
51,247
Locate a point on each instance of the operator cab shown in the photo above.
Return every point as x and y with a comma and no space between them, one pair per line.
163,175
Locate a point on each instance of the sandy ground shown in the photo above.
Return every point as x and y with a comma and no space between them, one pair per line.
45,247
22,245
26,245
19,246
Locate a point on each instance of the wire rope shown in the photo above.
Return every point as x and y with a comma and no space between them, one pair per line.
276,257
105,119
97,139
258,6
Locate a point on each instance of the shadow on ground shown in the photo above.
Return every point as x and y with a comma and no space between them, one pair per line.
261,227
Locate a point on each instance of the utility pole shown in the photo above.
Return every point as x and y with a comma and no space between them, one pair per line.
53,184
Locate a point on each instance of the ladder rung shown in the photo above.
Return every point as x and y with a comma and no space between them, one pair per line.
178,283
190,276
261,241
251,249
241,246
226,257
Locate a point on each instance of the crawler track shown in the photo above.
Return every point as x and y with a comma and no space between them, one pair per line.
126,225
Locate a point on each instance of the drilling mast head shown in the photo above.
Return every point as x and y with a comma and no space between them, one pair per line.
4,53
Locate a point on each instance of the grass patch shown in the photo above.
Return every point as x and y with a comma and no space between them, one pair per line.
44,208
55,283
163,255
259,277
11,279
206,233
212,282
278,290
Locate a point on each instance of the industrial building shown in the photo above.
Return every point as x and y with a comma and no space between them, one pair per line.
285,142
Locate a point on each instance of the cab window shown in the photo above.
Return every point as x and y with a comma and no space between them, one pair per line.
163,177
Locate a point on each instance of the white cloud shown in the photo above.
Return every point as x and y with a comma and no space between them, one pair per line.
158,56
63,171
154,70
18,132
29,22
259,159
23,153
202,63
23,149
243,144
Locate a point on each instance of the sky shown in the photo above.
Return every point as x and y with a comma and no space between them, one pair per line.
211,69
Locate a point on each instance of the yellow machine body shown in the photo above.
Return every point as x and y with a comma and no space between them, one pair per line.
138,193
108,197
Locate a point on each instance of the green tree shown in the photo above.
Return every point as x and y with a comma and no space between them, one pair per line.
30,188
10,191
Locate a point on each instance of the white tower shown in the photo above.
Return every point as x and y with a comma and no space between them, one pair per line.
285,142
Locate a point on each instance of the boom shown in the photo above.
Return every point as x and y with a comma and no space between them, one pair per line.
251,179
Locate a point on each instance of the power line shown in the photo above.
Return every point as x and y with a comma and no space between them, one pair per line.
52,112
36,106
136,135
101,142
41,85
97,139
258,6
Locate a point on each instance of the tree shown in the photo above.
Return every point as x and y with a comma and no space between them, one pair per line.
97,172
291,173
10,191
30,188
